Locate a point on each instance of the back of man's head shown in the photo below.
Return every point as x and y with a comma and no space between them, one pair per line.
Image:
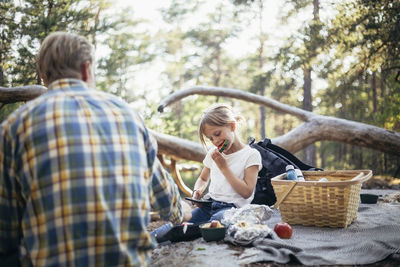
61,55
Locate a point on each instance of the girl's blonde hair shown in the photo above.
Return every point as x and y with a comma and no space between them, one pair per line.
61,55
217,115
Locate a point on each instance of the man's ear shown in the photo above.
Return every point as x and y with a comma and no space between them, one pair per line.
85,71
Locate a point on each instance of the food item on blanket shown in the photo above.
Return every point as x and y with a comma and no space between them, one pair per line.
392,198
222,146
245,231
242,224
213,224
283,230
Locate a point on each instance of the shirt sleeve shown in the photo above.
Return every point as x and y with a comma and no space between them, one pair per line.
207,161
254,159
9,208
164,193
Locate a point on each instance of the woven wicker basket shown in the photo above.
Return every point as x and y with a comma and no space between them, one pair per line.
333,203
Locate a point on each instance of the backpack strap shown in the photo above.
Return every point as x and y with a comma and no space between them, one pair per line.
285,155
266,142
292,158
251,140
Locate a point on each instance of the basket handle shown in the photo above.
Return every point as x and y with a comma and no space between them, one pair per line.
362,176
358,177
285,194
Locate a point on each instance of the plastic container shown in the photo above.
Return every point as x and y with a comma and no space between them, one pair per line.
212,234
160,232
369,198
299,175
290,173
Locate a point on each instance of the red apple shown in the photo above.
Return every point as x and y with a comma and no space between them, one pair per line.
283,230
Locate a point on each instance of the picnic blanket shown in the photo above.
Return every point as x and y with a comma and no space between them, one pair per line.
374,236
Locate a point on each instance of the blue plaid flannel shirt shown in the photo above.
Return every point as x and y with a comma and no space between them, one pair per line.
78,177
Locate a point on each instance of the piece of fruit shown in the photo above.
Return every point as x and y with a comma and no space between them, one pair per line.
283,230
215,224
222,147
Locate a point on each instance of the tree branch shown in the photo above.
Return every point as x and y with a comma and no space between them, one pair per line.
324,128
178,147
22,93
238,94
316,127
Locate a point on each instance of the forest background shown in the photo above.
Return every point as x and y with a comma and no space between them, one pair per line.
334,58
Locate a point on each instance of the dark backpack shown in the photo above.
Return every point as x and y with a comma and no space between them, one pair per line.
274,162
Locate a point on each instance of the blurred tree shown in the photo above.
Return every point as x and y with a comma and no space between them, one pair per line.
209,39
174,48
128,49
299,53
364,44
261,80
195,54
36,20
302,53
25,26
7,31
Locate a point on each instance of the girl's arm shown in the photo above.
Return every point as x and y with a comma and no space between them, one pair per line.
201,183
246,186
243,187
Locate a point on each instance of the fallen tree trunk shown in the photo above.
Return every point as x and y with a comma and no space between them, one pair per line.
22,93
315,127
178,147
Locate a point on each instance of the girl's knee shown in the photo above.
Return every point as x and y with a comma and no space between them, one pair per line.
199,216
218,216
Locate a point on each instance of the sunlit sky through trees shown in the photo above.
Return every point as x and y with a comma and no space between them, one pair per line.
245,43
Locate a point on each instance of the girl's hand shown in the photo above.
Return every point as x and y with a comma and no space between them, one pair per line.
219,159
197,195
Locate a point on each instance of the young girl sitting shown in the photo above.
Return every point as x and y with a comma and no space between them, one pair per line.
233,173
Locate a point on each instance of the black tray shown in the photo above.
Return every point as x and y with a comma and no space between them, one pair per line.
176,234
200,201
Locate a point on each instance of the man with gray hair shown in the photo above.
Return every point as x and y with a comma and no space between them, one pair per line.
78,170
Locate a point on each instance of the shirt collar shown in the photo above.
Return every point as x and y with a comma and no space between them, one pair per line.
68,84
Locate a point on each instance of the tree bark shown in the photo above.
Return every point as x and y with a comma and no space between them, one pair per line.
1,65
261,63
374,159
22,93
310,151
178,147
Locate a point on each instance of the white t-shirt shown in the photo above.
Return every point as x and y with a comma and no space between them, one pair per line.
220,189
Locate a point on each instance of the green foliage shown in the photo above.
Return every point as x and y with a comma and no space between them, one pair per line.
33,21
363,43
188,112
369,43
7,32
128,49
